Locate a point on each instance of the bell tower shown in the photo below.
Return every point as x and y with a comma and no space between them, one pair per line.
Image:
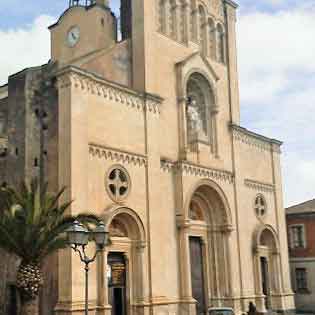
85,27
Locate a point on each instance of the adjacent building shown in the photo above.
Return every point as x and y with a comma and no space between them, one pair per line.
301,233
143,127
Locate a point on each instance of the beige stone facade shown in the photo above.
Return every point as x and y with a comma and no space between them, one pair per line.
148,138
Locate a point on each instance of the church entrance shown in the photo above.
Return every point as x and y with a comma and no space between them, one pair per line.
117,283
197,274
265,281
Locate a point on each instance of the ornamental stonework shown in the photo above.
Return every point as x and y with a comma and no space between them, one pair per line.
117,155
94,85
259,186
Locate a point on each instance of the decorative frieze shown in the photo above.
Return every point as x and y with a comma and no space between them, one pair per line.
187,168
167,165
259,186
216,174
255,140
116,155
91,83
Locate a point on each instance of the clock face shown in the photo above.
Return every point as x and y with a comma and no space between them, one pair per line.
73,36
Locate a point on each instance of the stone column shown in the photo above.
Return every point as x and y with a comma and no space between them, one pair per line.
187,302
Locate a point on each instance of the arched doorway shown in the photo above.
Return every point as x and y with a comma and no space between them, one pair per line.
201,112
266,267
205,248
124,264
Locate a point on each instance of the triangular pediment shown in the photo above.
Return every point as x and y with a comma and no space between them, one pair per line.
197,60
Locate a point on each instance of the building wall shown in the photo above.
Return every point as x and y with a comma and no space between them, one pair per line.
95,123
303,258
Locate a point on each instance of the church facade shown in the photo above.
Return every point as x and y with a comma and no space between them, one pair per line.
143,128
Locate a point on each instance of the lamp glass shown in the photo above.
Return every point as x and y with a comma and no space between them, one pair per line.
100,235
77,234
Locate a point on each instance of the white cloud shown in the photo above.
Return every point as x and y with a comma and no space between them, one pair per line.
277,79
21,48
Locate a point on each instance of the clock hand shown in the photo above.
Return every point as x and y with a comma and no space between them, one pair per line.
73,36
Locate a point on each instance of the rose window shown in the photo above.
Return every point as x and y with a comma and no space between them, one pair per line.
117,183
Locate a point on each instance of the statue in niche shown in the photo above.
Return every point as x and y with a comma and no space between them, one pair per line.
195,213
193,116
116,229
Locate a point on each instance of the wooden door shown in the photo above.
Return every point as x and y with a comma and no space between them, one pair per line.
197,275
117,283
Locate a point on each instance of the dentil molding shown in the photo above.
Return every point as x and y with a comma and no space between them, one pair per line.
116,155
90,83
187,168
259,186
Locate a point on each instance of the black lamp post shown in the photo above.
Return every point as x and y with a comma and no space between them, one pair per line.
78,237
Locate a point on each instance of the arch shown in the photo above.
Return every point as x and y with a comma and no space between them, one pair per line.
200,118
162,16
131,219
202,29
173,19
193,21
220,43
207,78
182,21
212,39
213,193
266,235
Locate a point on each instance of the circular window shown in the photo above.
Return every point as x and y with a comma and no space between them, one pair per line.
117,183
260,206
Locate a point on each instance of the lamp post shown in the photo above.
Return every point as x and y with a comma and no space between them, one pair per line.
78,237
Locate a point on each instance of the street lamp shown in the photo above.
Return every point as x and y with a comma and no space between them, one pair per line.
78,237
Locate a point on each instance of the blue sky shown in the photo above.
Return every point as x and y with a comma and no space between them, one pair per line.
276,63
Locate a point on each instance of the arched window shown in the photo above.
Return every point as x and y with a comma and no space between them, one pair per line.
200,102
202,29
193,21
221,43
183,22
162,16
173,19
212,41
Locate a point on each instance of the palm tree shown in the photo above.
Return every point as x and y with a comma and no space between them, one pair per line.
32,226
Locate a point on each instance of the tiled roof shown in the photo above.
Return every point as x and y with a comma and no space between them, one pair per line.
304,207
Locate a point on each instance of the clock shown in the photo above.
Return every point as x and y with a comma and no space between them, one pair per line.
73,36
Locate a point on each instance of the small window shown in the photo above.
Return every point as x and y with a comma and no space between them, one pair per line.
260,206
301,280
297,236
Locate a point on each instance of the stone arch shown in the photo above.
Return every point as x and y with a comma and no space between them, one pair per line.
173,19
133,224
193,21
130,245
162,16
201,111
266,267
207,77
266,235
220,43
212,39
211,192
183,27
202,28
212,228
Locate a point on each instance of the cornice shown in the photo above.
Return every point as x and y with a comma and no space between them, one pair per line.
250,138
188,168
167,165
260,186
71,76
117,155
211,173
